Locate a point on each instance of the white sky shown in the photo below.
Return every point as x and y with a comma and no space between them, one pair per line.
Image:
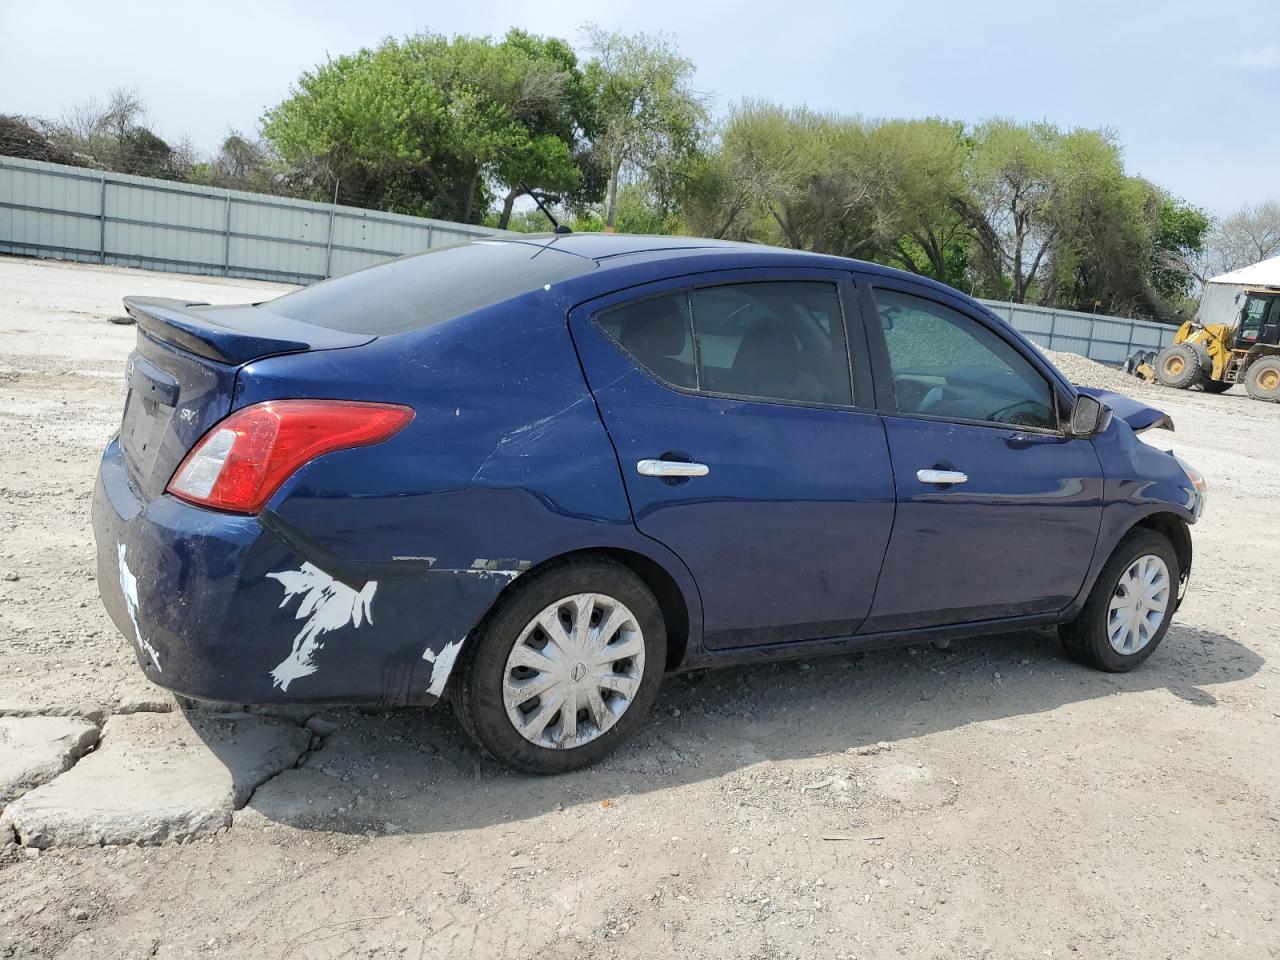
1192,89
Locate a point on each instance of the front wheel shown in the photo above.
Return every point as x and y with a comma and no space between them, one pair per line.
1179,366
564,669
1130,606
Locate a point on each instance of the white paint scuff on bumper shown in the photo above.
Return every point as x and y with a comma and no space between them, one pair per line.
441,665
129,587
326,605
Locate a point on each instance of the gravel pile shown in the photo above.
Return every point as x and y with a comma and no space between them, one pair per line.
1089,373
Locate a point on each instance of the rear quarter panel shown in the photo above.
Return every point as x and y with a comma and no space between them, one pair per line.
505,466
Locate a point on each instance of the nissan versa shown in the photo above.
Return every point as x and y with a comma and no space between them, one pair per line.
535,475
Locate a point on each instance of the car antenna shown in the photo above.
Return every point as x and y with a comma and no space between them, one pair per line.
557,226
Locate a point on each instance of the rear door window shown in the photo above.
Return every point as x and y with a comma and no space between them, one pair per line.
772,341
945,364
778,341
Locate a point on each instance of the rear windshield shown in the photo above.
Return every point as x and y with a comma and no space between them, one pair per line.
428,288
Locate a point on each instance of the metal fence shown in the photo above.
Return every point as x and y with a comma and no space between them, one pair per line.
70,213
1102,338
50,210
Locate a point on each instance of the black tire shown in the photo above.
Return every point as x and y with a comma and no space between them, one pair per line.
1179,366
1263,379
477,688
1086,637
1217,386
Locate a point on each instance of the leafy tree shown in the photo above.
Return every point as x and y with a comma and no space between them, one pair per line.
785,176
1177,248
431,126
915,175
1014,180
649,120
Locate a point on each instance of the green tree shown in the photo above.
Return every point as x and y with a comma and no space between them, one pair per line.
1176,250
648,119
787,176
433,126
915,175
884,190
1014,181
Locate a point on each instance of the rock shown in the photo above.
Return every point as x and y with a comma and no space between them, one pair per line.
34,750
10,576
156,777
143,697
322,727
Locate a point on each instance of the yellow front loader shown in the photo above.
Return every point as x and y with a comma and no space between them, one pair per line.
1218,356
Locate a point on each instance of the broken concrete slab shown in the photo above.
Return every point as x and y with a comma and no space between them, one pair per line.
34,750
373,774
139,695
91,710
157,777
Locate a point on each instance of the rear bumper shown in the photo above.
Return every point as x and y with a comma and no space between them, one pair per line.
222,607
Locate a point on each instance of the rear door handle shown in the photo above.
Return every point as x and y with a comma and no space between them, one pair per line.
941,477
671,468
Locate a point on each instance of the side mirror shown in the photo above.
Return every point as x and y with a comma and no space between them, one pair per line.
1088,416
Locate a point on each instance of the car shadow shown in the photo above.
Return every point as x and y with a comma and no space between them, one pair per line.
414,771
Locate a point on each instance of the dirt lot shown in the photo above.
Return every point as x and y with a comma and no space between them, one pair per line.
992,800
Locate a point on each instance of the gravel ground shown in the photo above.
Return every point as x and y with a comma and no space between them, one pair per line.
992,800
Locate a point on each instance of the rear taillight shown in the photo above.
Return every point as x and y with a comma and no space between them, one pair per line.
242,461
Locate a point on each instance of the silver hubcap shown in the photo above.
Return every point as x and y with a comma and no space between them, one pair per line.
1138,604
574,671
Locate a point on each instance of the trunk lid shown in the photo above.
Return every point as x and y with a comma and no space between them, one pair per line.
181,377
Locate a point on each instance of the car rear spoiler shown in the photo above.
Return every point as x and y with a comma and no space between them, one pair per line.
231,335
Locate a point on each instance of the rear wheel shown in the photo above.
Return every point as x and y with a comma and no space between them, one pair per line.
1130,606
564,669
1178,366
1263,379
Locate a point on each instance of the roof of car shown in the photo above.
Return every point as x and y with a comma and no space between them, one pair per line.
605,246
625,249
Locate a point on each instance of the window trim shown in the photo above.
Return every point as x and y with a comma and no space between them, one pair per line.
882,369
847,300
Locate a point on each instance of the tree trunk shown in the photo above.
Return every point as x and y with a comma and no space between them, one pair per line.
611,207
507,206
611,201
471,194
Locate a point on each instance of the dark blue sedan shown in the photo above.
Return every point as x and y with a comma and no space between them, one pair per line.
536,475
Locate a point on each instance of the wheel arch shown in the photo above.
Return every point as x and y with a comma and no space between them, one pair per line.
1174,529
679,615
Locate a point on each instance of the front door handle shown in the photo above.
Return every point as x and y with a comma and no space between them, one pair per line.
941,477
671,468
